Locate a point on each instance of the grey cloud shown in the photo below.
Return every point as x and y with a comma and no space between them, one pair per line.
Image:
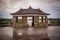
52,1
50,6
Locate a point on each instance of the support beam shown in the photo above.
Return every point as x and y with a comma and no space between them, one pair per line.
42,19
24,21
33,21
16,19
36,21
46,19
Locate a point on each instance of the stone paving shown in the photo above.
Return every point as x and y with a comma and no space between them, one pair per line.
6,33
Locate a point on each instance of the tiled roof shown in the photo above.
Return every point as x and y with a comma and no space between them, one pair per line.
30,10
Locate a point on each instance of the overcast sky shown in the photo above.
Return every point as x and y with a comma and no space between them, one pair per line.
49,6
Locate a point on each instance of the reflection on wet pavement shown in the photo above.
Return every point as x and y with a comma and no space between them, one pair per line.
54,32
6,33
32,30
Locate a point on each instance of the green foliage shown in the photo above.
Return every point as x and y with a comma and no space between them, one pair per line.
54,21
4,21
53,18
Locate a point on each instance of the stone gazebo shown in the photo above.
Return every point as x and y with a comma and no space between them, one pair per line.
30,12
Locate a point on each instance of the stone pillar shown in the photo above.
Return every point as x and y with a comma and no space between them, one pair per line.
15,20
24,21
46,20
36,21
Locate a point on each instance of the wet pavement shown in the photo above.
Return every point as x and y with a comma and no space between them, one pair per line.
6,33
54,32
31,31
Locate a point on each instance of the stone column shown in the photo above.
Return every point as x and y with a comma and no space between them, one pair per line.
24,21
15,20
36,21
46,20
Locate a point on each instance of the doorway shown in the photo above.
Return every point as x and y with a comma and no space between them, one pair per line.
30,21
